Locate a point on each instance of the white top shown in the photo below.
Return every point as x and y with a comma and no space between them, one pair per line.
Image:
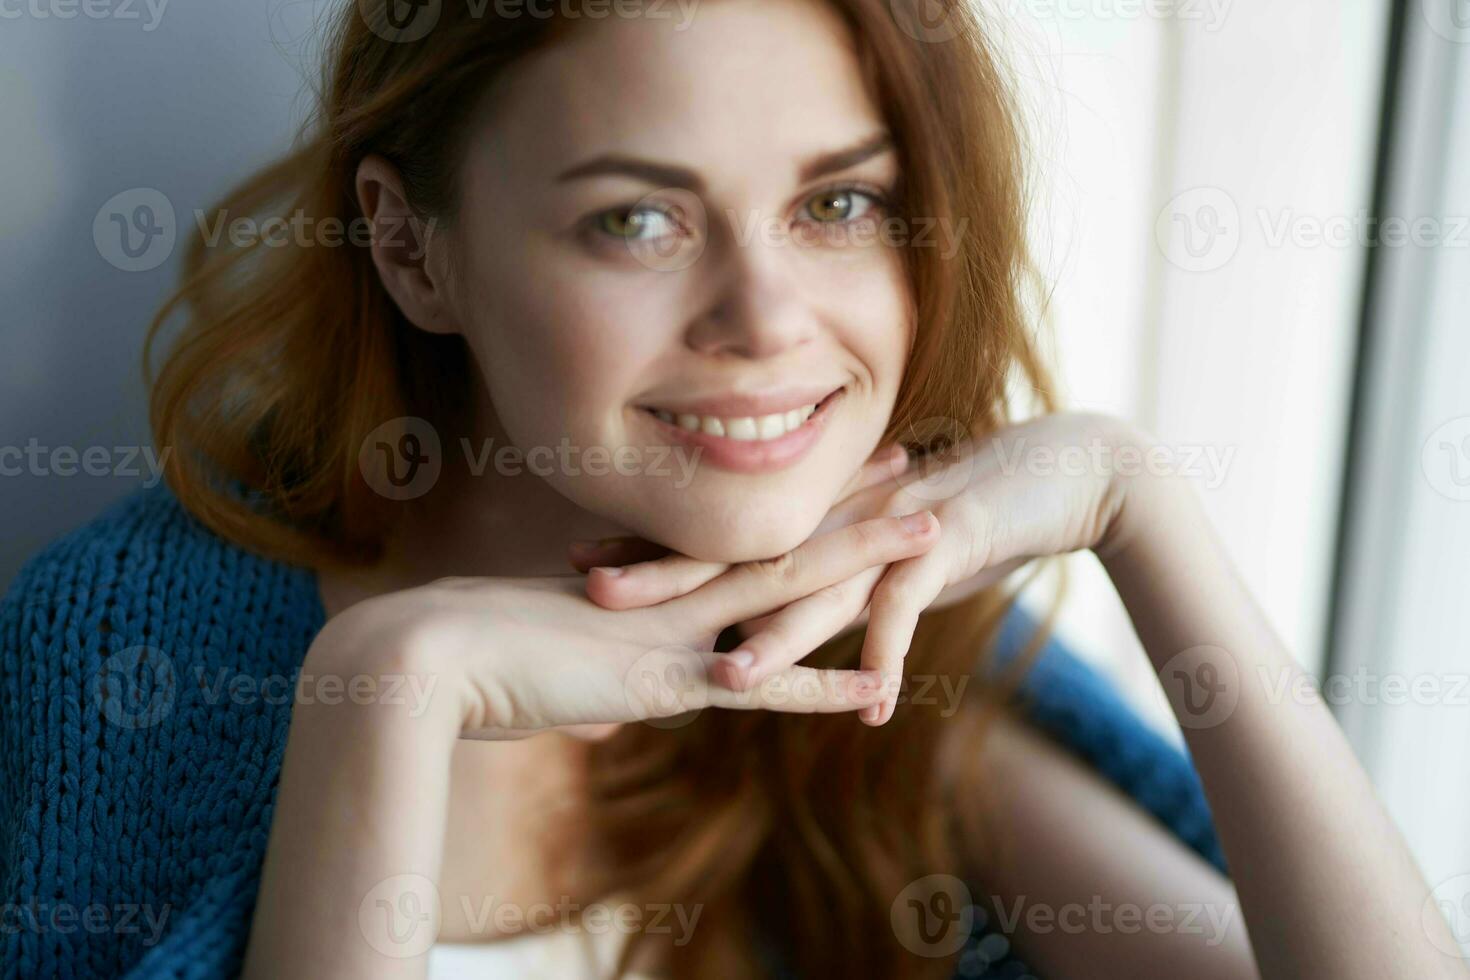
556,955
562,952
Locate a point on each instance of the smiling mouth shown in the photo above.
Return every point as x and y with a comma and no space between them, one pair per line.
745,428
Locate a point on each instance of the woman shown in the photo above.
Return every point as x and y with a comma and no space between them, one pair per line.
699,272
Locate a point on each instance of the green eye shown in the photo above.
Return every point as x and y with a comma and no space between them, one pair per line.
831,205
635,224
841,204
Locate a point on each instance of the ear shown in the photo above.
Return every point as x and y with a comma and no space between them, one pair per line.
404,247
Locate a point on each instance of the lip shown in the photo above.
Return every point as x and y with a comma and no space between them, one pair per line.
750,404
753,455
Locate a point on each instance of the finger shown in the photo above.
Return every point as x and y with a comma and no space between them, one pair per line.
756,588
650,582
751,627
804,690
675,680
880,497
585,555
794,632
907,589
887,463
981,580
497,734
866,495
599,732
591,733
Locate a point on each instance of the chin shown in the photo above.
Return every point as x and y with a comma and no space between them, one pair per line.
738,536
716,524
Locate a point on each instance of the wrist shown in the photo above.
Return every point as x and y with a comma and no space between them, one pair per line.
1136,498
383,676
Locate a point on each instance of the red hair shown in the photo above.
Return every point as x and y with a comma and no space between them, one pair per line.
807,827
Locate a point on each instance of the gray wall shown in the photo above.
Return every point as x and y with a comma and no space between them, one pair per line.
97,100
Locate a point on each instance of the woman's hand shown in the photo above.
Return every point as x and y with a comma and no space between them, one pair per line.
524,655
1044,487
359,816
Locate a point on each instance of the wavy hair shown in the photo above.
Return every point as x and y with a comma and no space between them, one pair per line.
802,829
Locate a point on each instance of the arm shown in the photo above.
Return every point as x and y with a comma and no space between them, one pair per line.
1084,881
356,838
1326,882
349,882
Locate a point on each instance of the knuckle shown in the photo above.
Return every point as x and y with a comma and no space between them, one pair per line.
980,542
892,594
781,571
834,593
413,648
898,502
770,642
872,535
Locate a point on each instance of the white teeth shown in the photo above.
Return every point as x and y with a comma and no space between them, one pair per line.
743,429
771,426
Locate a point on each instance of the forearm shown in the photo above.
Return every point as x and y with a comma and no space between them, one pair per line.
355,845
1326,882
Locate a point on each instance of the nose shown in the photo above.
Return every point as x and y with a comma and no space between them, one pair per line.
759,309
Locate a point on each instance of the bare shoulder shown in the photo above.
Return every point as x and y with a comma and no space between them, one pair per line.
1085,881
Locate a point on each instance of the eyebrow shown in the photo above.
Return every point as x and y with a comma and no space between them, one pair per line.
669,175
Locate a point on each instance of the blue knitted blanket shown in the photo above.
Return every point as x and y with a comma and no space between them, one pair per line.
147,669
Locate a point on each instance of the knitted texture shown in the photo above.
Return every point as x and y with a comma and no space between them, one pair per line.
147,669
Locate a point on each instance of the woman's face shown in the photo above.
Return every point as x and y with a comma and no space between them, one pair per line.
646,223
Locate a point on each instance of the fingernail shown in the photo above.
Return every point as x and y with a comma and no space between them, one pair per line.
742,658
870,714
613,570
916,523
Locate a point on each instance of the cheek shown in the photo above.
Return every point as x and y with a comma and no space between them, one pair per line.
562,351
564,347
869,301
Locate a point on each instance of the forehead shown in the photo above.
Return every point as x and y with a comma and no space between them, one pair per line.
733,88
